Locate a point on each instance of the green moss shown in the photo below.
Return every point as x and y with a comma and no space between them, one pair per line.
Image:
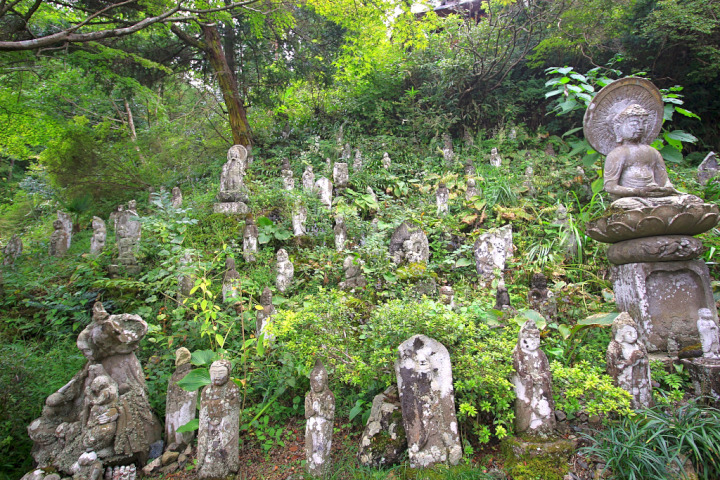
550,465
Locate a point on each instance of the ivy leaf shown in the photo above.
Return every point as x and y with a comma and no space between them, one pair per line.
681,135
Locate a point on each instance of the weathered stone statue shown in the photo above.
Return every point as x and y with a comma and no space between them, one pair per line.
386,162
218,446
114,216
534,406
308,179
58,240
88,467
495,159
341,177
231,282
409,244
371,192
104,408
471,190
233,193
529,182
424,378
468,136
346,152
285,271
127,238
470,168
705,371
627,362
12,250
299,218
268,310
708,330
66,220
448,153
354,277
287,176
491,251
319,416
383,441
541,298
180,407
442,196
324,189
708,169
250,239
340,233
358,161
97,241
176,200
186,281
447,296
502,297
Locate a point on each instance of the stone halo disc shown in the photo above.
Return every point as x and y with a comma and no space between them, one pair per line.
613,99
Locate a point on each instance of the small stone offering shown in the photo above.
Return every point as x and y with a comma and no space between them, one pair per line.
231,282
285,271
250,239
319,414
308,179
177,198
354,277
386,162
442,196
324,189
627,362
180,407
383,441
424,378
99,236
58,240
12,250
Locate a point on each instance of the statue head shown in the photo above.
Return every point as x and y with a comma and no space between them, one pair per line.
266,297
631,124
471,182
538,281
132,205
220,372
237,153
230,263
104,390
529,338
624,329
318,377
182,356
58,225
282,255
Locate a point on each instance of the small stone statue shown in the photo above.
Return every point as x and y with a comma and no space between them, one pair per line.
127,237
470,168
346,152
341,177
250,239
447,296
448,153
97,241
285,271
180,407
358,161
298,220
232,186
371,192
354,277
534,406
471,190
495,159
186,281
324,189
540,298
409,244
308,179
529,182
12,250
287,176
115,216
66,220
708,334
424,378
627,362
58,240
319,413
176,201
340,233
442,196
218,446
491,251
88,467
386,162
101,413
383,441
502,297
263,316
708,169
231,282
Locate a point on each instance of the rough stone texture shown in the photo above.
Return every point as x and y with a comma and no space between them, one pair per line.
409,243
659,295
181,405
627,362
124,472
324,189
705,376
341,177
218,446
495,159
66,220
442,196
357,161
285,271
104,408
383,441
529,182
12,250
448,153
186,281
502,297
708,330
99,236
299,218
354,277
262,317
287,177
491,251
447,296
87,467
250,240
127,237
58,240
471,190
340,233
346,152
176,200
308,179
232,186
231,208
540,298
470,168
708,169
424,378
534,406
319,415
666,248
386,162
231,282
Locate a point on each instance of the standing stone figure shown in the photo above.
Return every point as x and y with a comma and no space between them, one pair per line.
340,233
341,177
115,216
186,281
180,407
298,220
447,296
708,334
424,378
176,201
708,169
358,161
127,237
319,414
386,162
529,181
346,152
409,244
99,236
491,251
250,239
471,190
218,447
534,406
541,298
502,297
287,176
383,441
495,159
308,179
470,168
233,193
12,250
66,220
285,271
442,196
263,316
58,240
354,277
231,282
627,362
324,189
447,151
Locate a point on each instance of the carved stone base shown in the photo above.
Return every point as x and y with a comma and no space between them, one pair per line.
116,271
705,376
231,208
664,298
667,248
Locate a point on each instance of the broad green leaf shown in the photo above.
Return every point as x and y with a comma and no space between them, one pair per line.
671,154
531,315
219,339
195,379
264,222
565,70
687,113
571,131
599,319
463,262
201,358
564,331
579,77
590,159
553,93
597,185
190,426
681,135
357,409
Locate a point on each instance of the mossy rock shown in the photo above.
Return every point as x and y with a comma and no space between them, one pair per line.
534,459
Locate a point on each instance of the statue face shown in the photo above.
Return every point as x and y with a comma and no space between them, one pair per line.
626,334
318,382
422,360
632,128
530,342
219,374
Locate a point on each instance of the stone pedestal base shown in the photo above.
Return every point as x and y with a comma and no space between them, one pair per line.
116,271
664,298
705,376
231,208
546,458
